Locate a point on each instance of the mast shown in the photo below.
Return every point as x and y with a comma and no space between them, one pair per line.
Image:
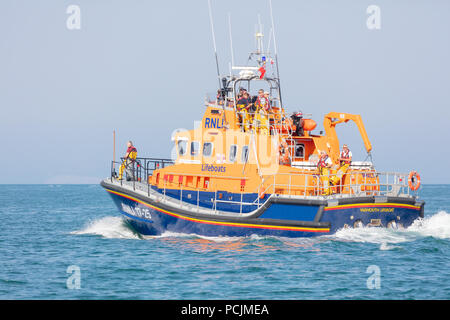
259,35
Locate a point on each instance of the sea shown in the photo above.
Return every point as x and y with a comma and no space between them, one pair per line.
70,242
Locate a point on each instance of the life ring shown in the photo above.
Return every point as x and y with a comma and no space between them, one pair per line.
284,153
414,180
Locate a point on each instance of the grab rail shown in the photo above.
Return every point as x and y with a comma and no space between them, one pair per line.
135,170
373,184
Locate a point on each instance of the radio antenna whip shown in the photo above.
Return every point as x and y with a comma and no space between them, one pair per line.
214,41
276,51
231,39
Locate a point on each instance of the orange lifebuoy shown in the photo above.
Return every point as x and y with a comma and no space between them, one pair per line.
414,180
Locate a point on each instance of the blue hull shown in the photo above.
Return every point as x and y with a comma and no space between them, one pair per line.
278,219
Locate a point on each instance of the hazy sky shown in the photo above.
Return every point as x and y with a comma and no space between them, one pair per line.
143,68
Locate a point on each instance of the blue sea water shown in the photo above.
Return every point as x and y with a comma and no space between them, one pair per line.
52,235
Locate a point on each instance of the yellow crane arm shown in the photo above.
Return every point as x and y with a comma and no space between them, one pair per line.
333,118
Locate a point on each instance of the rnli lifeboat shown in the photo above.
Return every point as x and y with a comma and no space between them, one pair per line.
252,167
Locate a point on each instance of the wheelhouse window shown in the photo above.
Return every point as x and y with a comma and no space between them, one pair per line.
207,149
195,146
299,151
182,147
244,155
233,152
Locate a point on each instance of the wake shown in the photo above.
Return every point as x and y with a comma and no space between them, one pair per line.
436,226
109,227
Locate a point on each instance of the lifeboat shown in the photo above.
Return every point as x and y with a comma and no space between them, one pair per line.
251,170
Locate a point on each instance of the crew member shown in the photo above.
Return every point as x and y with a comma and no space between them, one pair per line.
242,90
220,97
345,159
324,166
242,107
268,111
128,161
266,95
297,120
262,110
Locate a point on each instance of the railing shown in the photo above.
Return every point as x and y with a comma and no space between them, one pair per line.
273,119
368,183
138,170
362,183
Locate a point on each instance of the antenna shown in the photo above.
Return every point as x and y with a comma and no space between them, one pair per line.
276,52
214,42
231,39
270,38
114,152
273,28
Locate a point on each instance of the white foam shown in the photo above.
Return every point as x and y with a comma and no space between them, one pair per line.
109,227
372,235
169,234
437,226
385,246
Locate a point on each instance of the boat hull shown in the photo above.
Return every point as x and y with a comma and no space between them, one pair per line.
150,219
277,219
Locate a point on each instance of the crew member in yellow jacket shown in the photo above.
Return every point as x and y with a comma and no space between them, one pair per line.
243,115
128,160
324,166
262,110
345,159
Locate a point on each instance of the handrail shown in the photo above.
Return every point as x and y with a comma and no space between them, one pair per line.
373,184
140,166
398,187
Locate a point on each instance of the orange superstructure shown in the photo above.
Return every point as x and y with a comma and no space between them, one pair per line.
219,155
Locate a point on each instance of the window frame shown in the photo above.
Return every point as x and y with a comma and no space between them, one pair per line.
295,150
178,147
236,147
198,148
203,149
242,154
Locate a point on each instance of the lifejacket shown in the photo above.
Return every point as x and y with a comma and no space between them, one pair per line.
322,162
346,155
242,104
262,103
132,154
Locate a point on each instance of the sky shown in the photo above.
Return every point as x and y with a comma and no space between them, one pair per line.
142,68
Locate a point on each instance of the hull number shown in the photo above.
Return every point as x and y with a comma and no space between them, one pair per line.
136,211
